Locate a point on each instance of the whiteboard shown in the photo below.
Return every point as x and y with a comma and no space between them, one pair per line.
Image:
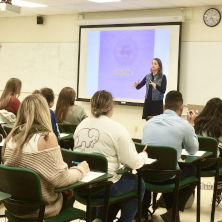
55,65
39,65
200,71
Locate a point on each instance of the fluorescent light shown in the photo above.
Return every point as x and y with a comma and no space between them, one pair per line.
9,8
27,4
104,1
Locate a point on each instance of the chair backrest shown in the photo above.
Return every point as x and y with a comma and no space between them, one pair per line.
2,131
135,140
211,145
24,186
97,162
7,128
139,146
165,166
66,127
208,144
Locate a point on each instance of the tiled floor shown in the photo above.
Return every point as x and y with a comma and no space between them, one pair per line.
188,215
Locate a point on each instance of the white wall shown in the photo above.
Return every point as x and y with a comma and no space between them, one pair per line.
64,28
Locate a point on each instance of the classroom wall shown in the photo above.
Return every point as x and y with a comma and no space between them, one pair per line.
64,28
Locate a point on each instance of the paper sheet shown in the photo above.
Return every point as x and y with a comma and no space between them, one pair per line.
149,161
63,135
2,143
91,176
198,153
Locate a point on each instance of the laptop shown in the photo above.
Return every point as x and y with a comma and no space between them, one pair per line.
196,108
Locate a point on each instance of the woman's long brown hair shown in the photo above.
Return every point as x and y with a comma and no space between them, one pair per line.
65,100
12,88
209,121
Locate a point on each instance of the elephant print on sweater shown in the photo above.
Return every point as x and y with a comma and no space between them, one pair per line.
87,137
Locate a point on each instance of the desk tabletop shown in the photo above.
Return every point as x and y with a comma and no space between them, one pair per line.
81,184
193,159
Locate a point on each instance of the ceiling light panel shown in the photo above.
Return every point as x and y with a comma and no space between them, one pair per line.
27,4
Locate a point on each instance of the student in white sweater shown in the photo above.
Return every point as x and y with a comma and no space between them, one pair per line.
101,134
32,144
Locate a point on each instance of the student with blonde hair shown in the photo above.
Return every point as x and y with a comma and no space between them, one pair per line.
8,99
31,144
100,134
66,110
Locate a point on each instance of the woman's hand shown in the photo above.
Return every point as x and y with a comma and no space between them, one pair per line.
136,84
153,84
85,166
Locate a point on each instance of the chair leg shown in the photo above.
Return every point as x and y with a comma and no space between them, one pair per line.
198,192
214,199
198,202
139,198
89,208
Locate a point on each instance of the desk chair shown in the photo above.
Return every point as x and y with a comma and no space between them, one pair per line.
211,166
97,162
26,196
67,128
164,169
7,128
68,141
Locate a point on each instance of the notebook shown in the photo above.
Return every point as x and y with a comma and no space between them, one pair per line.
150,161
198,153
63,135
91,175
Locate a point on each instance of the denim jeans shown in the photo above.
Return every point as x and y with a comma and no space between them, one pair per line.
127,183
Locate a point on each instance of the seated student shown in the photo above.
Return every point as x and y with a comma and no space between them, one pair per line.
48,94
66,110
8,99
101,134
209,123
31,144
169,129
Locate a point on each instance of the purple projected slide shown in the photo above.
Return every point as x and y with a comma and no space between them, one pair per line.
125,57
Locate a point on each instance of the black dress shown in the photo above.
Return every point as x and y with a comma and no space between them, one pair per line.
152,107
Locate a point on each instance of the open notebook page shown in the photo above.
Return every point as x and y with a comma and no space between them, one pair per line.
91,176
198,153
63,135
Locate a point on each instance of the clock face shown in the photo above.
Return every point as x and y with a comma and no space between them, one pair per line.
212,17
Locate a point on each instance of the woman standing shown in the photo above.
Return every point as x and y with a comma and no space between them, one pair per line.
155,88
9,98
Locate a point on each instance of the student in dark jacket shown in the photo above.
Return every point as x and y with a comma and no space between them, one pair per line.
50,97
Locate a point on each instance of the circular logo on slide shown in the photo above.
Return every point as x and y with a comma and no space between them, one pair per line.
125,51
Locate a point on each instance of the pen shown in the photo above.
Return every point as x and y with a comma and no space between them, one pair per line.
75,162
145,147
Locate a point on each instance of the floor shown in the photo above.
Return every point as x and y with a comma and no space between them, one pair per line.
188,215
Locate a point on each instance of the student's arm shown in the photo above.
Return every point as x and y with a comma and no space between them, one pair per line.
58,173
127,153
190,142
142,83
162,88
